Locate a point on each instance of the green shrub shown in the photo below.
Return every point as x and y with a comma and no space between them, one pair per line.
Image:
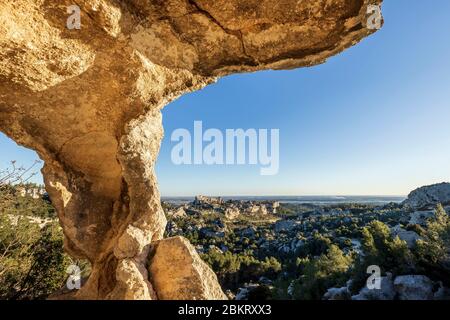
381,249
433,250
321,273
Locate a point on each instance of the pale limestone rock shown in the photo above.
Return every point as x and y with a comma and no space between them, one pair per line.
232,213
421,217
177,213
178,272
406,287
285,225
89,101
414,287
337,294
131,243
204,200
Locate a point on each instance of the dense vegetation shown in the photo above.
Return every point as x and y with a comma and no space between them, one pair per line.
242,253
32,260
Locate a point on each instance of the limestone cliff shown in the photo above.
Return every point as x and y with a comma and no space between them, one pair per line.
89,102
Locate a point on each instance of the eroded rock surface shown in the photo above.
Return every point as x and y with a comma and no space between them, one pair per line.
89,101
178,272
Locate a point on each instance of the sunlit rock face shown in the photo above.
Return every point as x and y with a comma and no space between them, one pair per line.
429,196
89,101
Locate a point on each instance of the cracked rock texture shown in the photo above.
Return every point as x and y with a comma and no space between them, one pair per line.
89,102
429,196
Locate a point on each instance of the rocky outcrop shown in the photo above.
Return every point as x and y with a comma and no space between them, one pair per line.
35,193
177,213
178,272
429,196
337,294
89,101
410,237
414,287
204,200
257,210
421,217
232,213
406,287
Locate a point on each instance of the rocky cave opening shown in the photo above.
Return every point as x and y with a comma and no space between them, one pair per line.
89,102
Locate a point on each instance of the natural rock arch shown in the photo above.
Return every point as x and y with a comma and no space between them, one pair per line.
89,101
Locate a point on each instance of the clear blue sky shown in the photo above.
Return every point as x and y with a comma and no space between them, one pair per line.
374,120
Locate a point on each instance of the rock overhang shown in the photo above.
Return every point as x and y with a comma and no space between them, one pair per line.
89,101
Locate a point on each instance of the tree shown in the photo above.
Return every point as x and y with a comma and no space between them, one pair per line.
379,248
17,237
433,250
225,265
442,220
11,180
315,246
252,269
